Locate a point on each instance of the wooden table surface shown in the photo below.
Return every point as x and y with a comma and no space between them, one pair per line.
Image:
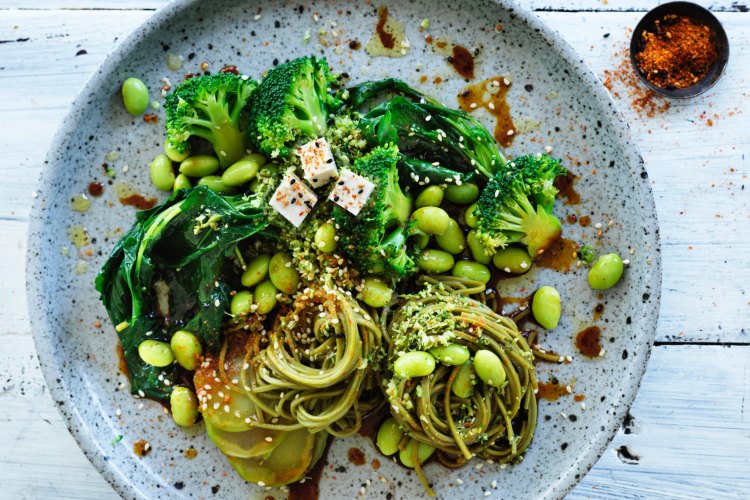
689,434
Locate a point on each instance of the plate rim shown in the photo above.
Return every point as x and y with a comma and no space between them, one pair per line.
78,426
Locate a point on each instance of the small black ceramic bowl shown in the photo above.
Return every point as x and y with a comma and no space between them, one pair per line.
698,13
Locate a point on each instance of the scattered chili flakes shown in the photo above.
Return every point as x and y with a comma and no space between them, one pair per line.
623,82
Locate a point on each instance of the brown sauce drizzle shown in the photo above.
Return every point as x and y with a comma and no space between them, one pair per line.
584,221
96,189
387,39
141,448
138,201
589,341
121,364
356,456
560,256
477,95
564,184
462,61
310,489
551,391
598,310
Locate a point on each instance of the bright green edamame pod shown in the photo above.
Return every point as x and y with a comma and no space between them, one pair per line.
463,384
462,195
375,293
424,451
265,297
187,349
414,364
431,220
435,261
389,436
477,248
162,175
243,170
471,270
512,260
451,354
606,272
199,165
134,96
452,240
173,154
546,307
431,196
241,302
155,353
325,238
470,216
214,182
184,406
182,181
255,271
283,274
489,368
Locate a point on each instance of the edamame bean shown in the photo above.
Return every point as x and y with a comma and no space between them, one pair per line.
375,293
256,271
546,307
389,436
241,302
462,195
431,220
155,353
184,406
463,384
243,170
424,451
186,348
429,197
414,364
199,165
325,238
265,297
451,354
452,240
477,248
606,272
471,270
175,155
215,184
489,368
134,96
512,260
470,216
435,261
282,273
182,181
162,175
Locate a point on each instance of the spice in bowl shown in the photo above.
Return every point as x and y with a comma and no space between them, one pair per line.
678,52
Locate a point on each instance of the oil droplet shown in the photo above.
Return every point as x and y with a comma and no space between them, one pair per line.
80,203
112,156
389,39
78,236
174,62
64,251
128,195
81,267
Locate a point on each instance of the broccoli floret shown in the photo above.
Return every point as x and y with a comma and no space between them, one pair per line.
587,254
210,107
293,100
379,238
515,206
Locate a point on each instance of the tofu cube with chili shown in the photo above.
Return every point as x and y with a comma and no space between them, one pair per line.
293,199
317,162
351,191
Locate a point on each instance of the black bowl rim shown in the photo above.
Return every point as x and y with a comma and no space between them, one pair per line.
688,9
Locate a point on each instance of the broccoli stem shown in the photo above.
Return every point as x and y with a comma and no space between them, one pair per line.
224,134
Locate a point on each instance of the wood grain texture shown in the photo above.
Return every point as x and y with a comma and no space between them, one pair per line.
692,434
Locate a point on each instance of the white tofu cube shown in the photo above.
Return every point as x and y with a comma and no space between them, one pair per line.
293,199
351,191
317,162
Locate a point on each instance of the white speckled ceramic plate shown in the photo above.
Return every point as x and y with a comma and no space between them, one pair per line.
557,98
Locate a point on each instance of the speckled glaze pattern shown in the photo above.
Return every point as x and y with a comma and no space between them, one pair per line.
551,87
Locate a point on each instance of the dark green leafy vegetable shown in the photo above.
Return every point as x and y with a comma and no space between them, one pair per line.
167,273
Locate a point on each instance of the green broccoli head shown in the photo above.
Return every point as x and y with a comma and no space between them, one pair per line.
293,100
516,205
379,239
210,107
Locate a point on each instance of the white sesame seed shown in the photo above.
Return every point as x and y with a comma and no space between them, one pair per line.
118,412
459,480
